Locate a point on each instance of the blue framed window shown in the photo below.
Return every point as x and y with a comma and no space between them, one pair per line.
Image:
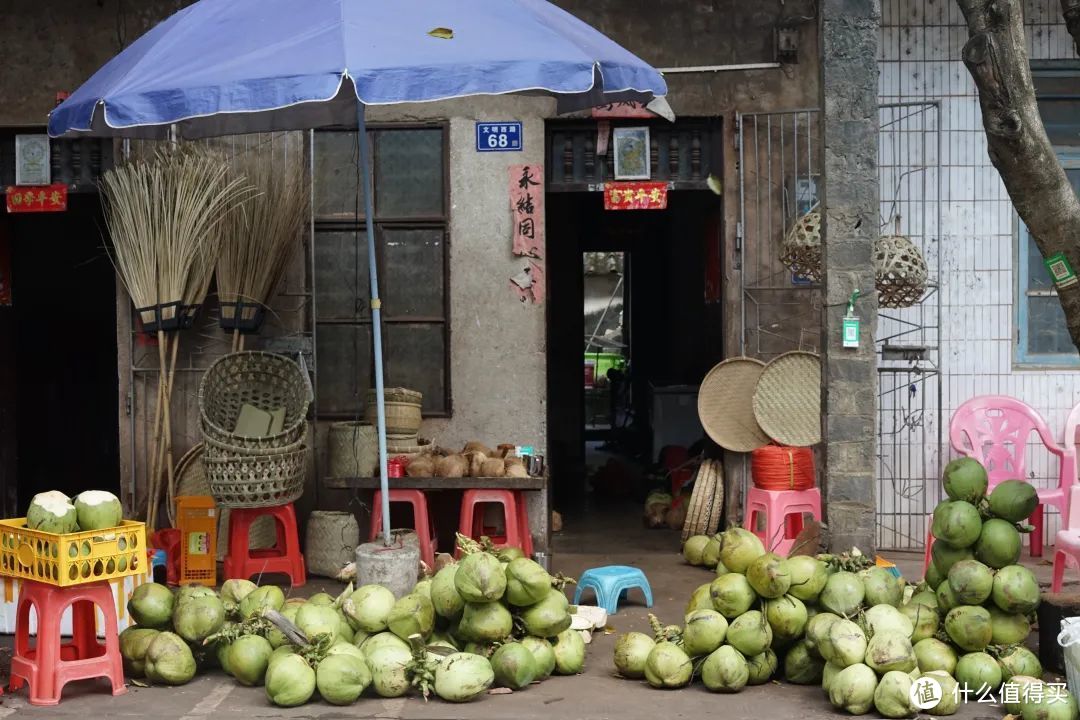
1042,338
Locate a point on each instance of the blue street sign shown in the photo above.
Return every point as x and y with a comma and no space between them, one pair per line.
499,137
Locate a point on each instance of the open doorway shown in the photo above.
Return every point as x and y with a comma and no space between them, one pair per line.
631,333
58,356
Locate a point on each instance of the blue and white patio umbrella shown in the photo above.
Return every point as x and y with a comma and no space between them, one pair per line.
225,67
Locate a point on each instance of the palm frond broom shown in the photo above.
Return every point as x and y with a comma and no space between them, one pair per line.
261,235
162,214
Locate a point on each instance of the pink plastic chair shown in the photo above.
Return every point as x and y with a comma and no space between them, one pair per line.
995,430
1067,542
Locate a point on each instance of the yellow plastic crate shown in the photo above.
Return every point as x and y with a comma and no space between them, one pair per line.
72,558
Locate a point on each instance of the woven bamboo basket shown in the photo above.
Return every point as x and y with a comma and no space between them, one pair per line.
257,480
213,449
403,412
263,380
331,541
801,248
409,448
352,450
191,480
900,271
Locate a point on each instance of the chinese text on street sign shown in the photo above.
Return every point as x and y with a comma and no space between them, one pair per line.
635,196
36,198
499,137
527,209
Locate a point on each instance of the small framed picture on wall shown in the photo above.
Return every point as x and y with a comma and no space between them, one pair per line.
631,153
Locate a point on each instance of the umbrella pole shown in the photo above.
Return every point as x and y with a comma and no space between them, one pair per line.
376,315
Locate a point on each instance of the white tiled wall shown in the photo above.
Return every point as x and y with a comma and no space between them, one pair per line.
921,42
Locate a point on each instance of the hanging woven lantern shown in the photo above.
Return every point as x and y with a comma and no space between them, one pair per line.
801,249
900,271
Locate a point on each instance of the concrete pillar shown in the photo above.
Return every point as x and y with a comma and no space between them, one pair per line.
849,39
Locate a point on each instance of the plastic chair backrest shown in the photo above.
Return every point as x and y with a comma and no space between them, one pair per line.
995,429
1071,521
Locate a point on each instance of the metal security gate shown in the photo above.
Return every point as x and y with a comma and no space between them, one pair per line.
780,165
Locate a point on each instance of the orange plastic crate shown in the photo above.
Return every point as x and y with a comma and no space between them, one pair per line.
196,516
65,559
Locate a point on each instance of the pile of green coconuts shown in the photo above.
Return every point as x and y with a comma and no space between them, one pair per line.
490,619
858,630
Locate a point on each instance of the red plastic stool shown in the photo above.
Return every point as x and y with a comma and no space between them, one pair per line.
51,664
777,505
515,517
285,557
424,526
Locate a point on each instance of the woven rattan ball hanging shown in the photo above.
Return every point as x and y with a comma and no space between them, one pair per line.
900,271
801,249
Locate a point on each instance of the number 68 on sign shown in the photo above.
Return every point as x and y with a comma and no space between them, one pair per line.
499,137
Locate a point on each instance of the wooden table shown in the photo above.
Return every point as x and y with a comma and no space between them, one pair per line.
439,483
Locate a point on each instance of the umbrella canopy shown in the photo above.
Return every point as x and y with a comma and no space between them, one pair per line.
222,67
225,67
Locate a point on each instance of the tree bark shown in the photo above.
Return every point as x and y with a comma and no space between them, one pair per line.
996,56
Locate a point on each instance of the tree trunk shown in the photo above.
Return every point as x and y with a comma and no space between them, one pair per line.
996,56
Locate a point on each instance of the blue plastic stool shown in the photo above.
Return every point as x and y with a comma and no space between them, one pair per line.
611,583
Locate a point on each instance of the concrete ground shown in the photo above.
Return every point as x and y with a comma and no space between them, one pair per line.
615,537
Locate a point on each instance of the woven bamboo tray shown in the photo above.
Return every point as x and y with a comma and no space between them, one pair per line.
787,401
191,480
696,522
726,405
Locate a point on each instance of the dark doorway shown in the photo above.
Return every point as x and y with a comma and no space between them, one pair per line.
669,330
58,357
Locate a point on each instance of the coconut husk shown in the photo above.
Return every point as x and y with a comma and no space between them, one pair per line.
452,466
513,460
516,470
556,521
441,452
656,509
473,446
493,467
476,461
421,466
442,560
676,514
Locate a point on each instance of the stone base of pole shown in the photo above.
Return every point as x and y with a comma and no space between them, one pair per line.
395,567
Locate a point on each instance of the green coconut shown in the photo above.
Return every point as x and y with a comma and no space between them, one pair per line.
668,666
732,595
978,672
924,620
957,523
710,554
485,622
527,583
412,615
267,597
544,656
1008,628
946,598
134,641
462,677
341,678
318,620
882,618
1022,682
700,599
924,597
933,654
98,510
787,617
52,512
768,574
1015,590
892,697
881,587
843,593
322,598
738,548
248,659
151,606
694,548
1013,500
480,578
168,660
445,598
725,670
198,619
549,617
848,643
762,667
705,631
998,544
888,651
817,634
369,607
950,693
1058,704
387,663
750,633
1018,660
965,479
944,556
569,648
808,577
971,582
801,666
933,577
275,636
969,627
514,666
290,681
852,689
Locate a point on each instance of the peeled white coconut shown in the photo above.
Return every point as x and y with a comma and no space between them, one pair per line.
98,509
52,512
